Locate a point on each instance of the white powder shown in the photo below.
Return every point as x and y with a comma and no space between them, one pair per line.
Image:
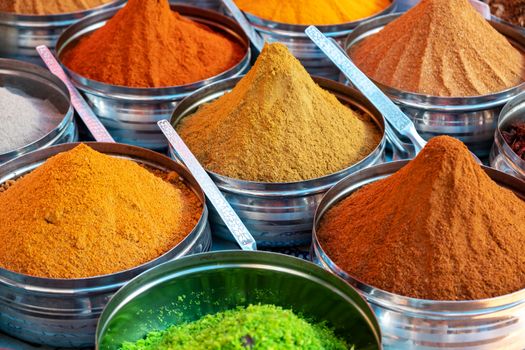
24,119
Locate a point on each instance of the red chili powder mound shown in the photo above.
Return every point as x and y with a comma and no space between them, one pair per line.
147,45
440,228
441,48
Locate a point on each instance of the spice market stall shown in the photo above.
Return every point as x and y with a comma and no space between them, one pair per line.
109,245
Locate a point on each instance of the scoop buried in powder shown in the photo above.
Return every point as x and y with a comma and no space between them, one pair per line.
278,125
440,228
441,48
84,214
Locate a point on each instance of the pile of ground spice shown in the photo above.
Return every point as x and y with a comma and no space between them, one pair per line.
278,125
441,48
25,119
147,45
48,7
83,213
256,327
438,229
320,12
512,11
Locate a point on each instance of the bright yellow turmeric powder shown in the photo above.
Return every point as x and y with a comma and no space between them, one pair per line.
319,12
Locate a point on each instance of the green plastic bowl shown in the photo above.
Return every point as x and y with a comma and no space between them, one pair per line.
189,288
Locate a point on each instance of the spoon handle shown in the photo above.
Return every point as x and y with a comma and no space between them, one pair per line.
396,118
227,214
254,37
95,127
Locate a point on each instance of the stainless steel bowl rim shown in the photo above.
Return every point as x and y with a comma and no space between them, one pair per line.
436,308
28,68
272,189
142,94
438,103
45,21
230,259
73,285
297,30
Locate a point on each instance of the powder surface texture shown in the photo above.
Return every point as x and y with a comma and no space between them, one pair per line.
320,12
441,48
277,125
83,213
48,7
256,327
24,119
147,45
440,228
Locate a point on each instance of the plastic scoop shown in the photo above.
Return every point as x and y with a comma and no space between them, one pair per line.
255,38
89,118
226,212
394,116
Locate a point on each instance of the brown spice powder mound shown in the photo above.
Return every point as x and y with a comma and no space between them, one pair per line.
48,7
277,125
84,214
437,229
441,48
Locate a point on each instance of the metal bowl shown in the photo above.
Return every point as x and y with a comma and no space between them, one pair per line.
470,119
293,36
408,323
207,4
20,34
279,214
64,312
512,25
502,156
131,114
39,83
186,290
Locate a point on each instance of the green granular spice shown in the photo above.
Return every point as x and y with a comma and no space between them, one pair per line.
256,327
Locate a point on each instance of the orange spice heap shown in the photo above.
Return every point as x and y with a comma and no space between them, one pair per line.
83,213
147,45
440,228
441,48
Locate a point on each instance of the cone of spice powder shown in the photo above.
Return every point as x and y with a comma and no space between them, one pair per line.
440,228
146,45
84,214
441,48
318,12
48,7
277,125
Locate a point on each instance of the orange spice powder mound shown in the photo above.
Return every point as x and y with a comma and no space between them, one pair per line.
146,44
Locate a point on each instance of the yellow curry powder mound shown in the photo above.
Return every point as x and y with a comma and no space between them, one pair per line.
278,125
83,213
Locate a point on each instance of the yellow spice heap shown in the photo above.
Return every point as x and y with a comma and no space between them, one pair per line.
320,12
83,213
278,125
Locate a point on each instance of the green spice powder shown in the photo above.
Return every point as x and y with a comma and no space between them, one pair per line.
256,327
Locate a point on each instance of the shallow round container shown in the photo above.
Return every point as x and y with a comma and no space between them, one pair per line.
64,312
186,290
207,4
39,83
470,119
502,156
279,214
408,323
131,114
293,36
512,25
20,34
